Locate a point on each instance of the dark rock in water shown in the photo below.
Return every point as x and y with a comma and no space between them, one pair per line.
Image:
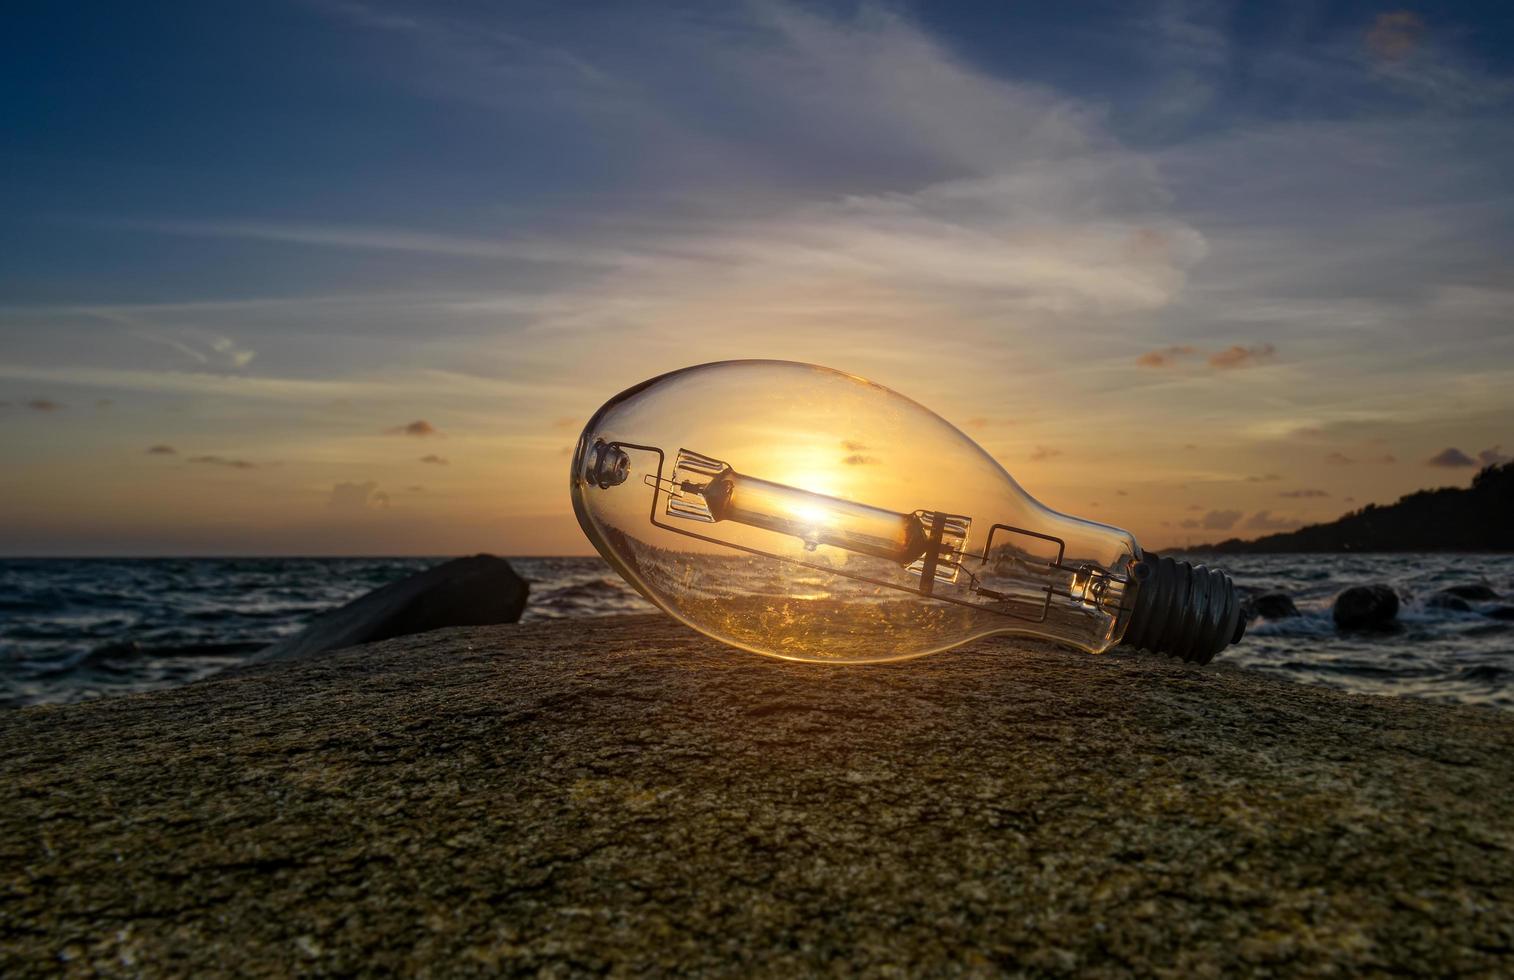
1269,605
1476,593
478,591
1503,613
1365,607
623,797
1442,600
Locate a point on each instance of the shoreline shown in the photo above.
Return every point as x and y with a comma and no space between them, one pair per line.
623,794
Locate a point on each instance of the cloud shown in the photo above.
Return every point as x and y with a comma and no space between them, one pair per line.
385,240
213,351
1493,457
1301,494
434,459
1340,459
161,450
1451,457
358,497
235,464
1044,452
1385,458
1166,356
1238,356
858,459
420,428
1267,478
1395,34
1263,520
1221,520
1231,357
1191,523
45,405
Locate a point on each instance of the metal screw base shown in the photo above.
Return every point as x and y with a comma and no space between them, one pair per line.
1184,611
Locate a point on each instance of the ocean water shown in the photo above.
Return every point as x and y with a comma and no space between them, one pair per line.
73,629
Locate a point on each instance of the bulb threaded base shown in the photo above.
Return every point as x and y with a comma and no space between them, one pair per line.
1186,611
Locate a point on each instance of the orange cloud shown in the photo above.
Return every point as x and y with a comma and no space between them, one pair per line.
1044,452
1165,357
44,405
1493,457
1238,356
1395,35
161,450
1297,494
434,458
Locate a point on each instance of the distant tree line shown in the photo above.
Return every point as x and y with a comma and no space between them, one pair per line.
1479,518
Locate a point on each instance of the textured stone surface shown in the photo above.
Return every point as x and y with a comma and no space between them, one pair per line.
622,795
479,591
1366,607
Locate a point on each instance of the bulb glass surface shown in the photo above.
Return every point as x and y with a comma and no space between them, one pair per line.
804,513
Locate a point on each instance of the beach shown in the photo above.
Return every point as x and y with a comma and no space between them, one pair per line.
621,795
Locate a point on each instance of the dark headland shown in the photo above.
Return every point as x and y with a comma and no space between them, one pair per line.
1478,518
622,795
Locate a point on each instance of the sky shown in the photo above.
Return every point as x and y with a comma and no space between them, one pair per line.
348,277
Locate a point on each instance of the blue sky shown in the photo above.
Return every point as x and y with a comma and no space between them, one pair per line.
1195,269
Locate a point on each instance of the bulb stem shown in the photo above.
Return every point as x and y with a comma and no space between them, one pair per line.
1185,611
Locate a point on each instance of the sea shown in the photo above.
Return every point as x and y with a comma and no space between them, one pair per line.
74,629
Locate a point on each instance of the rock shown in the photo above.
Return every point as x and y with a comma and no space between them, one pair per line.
622,796
1504,613
1365,607
1443,601
1476,592
478,591
1269,605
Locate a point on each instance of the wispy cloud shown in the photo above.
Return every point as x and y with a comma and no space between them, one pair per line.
45,405
357,497
161,450
387,240
235,464
434,459
1302,494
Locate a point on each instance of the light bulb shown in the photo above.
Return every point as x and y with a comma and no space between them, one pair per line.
800,512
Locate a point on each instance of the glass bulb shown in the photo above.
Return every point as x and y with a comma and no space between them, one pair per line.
800,512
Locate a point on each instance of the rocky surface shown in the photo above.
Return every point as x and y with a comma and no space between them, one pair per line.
1476,591
1268,605
1366,607
479,591
621,795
